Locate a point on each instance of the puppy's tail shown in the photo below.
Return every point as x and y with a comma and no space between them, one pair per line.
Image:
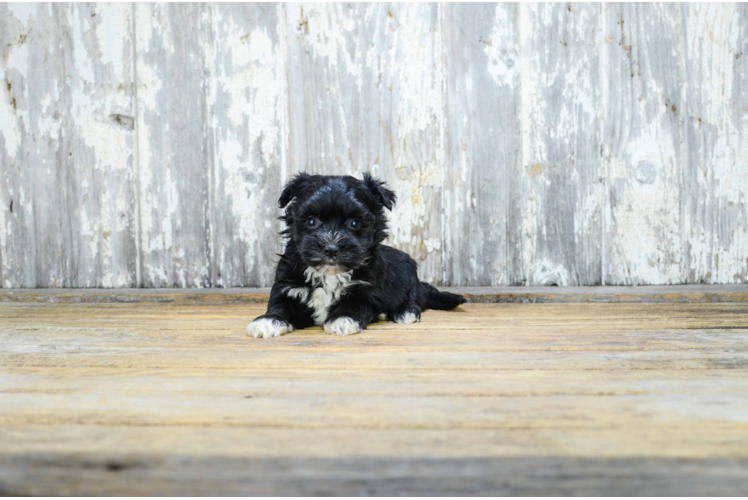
434,299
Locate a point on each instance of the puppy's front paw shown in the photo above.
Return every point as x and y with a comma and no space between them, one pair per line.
408,317
268,327
343,326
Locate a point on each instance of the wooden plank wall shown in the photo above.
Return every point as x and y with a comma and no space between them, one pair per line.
574,144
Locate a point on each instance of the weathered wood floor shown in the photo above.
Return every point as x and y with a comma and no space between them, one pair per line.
559,398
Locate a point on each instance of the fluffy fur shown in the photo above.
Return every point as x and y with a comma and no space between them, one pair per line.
335,271
268,327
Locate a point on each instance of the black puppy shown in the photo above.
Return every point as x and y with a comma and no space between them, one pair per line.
335,272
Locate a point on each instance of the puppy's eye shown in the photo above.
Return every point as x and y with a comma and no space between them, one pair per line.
354,224
311,222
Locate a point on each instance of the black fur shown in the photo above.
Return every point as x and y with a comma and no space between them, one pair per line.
338,223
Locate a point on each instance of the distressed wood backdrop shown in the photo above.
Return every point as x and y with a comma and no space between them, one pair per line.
145,145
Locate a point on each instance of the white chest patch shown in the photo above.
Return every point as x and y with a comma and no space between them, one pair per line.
327,288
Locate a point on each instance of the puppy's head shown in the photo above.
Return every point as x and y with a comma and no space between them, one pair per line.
335,220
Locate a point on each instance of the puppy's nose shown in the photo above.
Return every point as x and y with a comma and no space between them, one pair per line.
331,250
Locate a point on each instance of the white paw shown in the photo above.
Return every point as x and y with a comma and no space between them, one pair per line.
343,326
266,328
408,317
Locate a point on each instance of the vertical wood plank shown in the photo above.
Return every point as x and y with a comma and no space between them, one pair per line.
17,243
483,142
69,89
173,152
717,140
245,105
36,235
562,193
643,136
100,185
365,94
8,135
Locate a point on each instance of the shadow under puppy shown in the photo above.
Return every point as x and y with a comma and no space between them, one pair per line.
335,271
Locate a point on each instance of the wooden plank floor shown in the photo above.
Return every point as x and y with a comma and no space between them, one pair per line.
504,398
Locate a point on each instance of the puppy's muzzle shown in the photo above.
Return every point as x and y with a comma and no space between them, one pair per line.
330,244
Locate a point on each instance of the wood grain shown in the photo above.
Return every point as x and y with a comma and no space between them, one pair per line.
525,295
561,193
574,144
717,141
37,159
101,185
644,130
365,94
245,64
174,160
483,143
69,157
168,398
353,476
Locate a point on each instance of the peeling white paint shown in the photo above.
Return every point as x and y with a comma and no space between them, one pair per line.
499,50
9,130
562,205
112,34
432,244
18,59
544,272
717,224
23,11
381,97
323,27
420,91
148,86
83,60
245,100
14,122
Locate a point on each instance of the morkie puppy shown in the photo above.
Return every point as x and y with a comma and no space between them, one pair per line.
335,271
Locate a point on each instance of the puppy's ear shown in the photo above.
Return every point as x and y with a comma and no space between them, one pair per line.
295,188
383,195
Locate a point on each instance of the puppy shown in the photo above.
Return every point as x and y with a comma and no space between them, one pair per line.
335,271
